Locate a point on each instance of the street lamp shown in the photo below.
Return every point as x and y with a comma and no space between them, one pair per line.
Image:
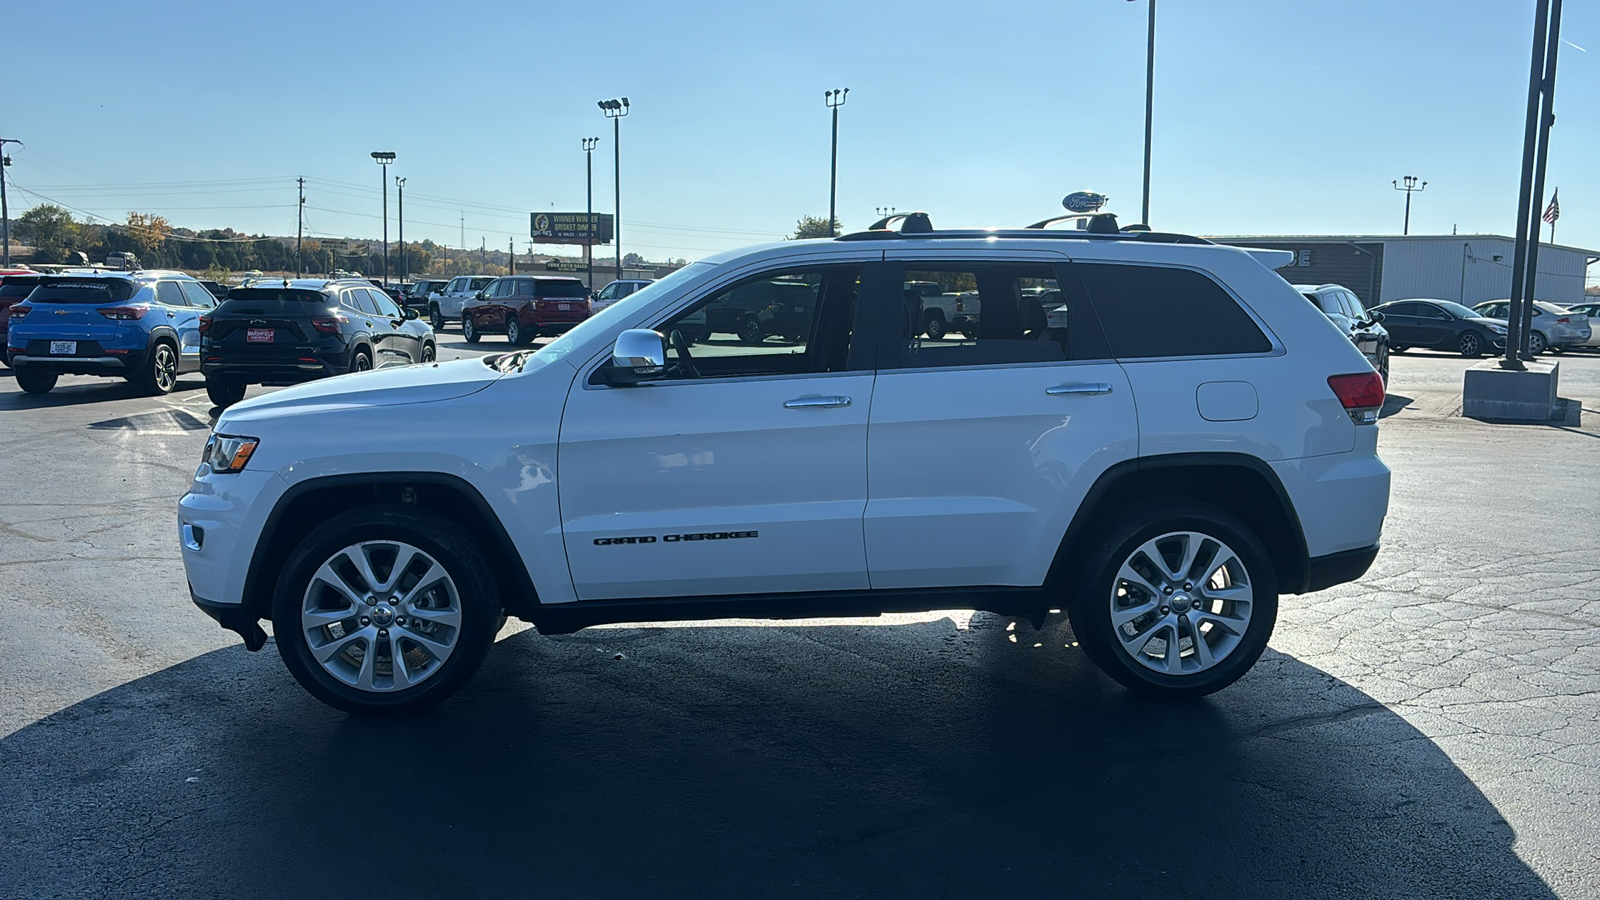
834,99
400,190
384,158
615,110
588,242
1149,109
1410,187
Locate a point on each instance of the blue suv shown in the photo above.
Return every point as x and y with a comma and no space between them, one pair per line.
143,326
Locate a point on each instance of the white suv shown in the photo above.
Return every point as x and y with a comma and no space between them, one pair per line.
445,307
1176,441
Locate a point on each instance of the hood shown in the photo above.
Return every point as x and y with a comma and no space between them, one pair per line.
1485,320
395,386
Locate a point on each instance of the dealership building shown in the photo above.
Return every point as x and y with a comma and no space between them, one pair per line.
1467,268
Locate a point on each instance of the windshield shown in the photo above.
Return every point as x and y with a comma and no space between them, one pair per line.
600,321
1457,310
83,290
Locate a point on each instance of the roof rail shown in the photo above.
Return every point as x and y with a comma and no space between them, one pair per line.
1101,226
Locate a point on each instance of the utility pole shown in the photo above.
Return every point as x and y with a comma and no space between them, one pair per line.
615,110
1535,154
1149,111
1410,187
5,210
588,242
300,231
511,256
834,100
405,267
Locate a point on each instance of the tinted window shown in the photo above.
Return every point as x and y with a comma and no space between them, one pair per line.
1357,311
1404,309
15,287
167,294
572,288
83,290
239,298
990,314
385,304
1151,311
478,284
197,294
779,323
357,300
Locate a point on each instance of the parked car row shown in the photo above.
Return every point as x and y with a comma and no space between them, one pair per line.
151,326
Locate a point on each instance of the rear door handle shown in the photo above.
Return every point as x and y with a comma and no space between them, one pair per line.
1079,387
807,402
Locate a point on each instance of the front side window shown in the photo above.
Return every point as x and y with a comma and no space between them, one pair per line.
384,304
976,314
167,294
1156,311
1357,311
779,323
197,294
609,292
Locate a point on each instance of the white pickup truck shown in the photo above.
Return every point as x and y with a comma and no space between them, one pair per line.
447,305
946,311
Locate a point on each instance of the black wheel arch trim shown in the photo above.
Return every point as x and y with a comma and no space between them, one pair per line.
257,599
1292,582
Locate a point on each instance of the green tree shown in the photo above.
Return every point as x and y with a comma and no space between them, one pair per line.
149,231
50,230
814,227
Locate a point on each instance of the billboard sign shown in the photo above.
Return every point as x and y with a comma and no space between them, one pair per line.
571,228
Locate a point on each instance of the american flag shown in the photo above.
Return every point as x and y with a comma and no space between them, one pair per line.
1553,211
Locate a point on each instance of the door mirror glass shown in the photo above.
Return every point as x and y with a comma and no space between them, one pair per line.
638,355
1376,317
409,313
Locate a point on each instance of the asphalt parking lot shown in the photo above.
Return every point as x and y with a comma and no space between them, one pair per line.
1429,731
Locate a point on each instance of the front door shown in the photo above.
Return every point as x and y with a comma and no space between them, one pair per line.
744,467
982,445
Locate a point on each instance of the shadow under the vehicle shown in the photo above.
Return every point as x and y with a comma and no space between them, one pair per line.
97,391
711,760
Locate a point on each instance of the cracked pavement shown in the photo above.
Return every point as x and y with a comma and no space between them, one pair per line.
1428,731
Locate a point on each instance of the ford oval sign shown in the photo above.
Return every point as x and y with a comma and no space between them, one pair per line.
1085,201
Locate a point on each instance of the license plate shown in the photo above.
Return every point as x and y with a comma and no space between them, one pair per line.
67,347
565,306
259,335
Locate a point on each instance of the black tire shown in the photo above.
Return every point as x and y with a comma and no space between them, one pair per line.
224,392
468,330
361,362
1470,345
158,374
1089,601
1398,348
1537,343
933,324
436,317
36,381
516,334
440,538
429,354
750,330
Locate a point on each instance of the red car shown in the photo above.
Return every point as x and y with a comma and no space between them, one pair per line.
523,307
15,284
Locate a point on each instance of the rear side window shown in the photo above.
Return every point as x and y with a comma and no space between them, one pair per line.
984,314
83,290
1154,311
478,284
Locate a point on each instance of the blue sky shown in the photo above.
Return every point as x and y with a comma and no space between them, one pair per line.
1270,117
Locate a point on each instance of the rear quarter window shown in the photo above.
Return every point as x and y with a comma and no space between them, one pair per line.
1156,311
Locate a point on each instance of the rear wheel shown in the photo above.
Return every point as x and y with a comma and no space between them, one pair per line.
1470,345
224,392
361,362
1537,343
934,325
383,610
1178,598
160,372
469,330
36,382
515,333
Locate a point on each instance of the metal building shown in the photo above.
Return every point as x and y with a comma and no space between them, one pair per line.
1467,268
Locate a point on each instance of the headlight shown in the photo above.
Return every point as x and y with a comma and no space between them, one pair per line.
1497,329
225,453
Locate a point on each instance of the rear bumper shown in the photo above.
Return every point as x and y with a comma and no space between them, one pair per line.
1337,568
275,372
79,365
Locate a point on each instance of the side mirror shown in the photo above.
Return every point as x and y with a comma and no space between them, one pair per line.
409,312
638,355
478,295
1376,317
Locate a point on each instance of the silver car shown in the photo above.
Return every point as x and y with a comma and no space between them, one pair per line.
1554,327
1590,309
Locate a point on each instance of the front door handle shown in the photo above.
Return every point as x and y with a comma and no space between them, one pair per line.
807,402
1079,387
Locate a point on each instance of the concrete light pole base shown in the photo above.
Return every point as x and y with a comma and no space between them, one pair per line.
1507,395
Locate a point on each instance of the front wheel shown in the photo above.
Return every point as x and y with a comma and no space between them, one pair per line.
384,610
468,330
436,317
1178,598
35,381
224,393
1470,345
429,354
750,331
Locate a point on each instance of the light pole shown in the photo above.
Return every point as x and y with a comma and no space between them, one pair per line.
615,110
1410,187
400,190
5,210
588,242
1149,109
834,99
384,158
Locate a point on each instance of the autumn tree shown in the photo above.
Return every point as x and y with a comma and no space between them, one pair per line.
149,231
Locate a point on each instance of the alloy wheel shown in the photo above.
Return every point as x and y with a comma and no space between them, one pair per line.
381,616
1470,345
164,371
1181,603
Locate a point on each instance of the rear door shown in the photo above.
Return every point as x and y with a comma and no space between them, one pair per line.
981,447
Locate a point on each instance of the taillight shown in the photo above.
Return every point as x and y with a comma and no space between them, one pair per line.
1361,395
327,324
205,324
123,313
1564,320
19,311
